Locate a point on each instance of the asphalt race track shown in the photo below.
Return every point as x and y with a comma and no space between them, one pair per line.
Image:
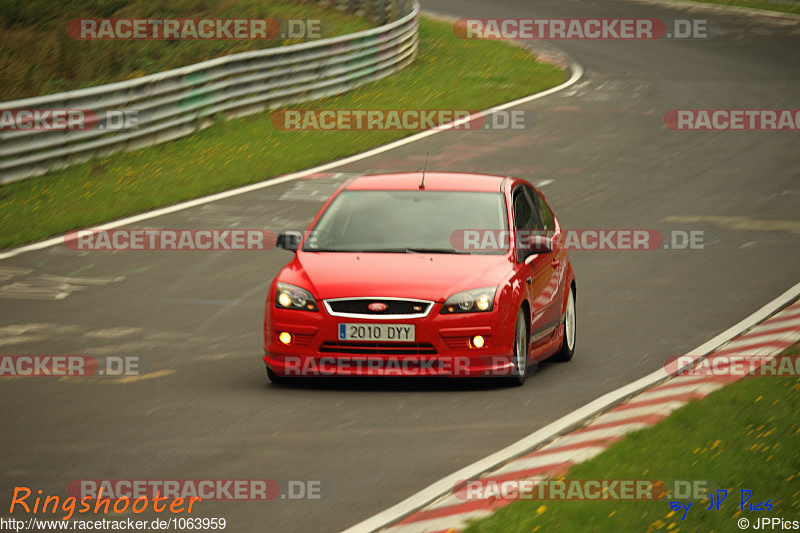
206,410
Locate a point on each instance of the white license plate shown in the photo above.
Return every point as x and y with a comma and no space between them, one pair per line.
376,332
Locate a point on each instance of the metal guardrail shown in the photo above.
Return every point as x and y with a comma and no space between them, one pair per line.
179,102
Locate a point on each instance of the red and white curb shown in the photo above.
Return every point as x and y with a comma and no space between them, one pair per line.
451,513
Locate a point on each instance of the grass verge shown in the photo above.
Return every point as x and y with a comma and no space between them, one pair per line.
449,73
783,7
37,55
743,436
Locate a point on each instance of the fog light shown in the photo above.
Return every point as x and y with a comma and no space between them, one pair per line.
285,337
478,341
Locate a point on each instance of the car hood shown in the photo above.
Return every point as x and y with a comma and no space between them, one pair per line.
399,275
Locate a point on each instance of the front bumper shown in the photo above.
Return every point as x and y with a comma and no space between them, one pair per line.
442,346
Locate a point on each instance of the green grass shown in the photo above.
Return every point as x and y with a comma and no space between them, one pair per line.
788,7
449,73
744,436
37,56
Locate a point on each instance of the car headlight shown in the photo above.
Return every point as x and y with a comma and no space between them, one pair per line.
474,301
291,297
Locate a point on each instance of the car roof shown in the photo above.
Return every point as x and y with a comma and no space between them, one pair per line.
434,181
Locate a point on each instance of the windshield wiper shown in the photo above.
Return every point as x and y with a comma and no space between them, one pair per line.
390,250
359,250
435,251
343,250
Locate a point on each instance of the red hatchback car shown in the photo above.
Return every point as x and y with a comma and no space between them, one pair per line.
441,274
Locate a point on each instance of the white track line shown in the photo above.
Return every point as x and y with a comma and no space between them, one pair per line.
562,425
577,72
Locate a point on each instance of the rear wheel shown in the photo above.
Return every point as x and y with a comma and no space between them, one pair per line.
568,343
520,370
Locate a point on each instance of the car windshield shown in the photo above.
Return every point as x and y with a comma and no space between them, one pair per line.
406,221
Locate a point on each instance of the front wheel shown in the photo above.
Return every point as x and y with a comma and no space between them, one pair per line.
520,370
568,344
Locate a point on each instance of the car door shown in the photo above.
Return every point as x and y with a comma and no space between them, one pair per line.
554,291
534,270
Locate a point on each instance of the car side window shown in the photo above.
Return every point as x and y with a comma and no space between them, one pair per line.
523,211
525,216
548,219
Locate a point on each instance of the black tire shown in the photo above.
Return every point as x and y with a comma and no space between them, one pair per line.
568,348
520,371
276,379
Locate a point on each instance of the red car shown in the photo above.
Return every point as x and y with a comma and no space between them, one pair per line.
434,274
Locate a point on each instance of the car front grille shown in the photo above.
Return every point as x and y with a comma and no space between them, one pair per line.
395,307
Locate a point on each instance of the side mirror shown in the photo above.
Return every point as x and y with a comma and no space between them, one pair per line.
534,245
288,240
539,244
